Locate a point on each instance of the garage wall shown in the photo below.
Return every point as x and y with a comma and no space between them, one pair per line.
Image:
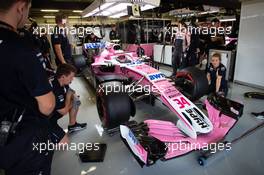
250,54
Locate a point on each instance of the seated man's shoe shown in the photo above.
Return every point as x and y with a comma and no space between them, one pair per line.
259,115
76,127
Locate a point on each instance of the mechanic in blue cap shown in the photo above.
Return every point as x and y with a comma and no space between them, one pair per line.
216,75
26,97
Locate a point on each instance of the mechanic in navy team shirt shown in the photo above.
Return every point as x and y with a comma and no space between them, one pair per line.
216,74
26,97
67,101
60,41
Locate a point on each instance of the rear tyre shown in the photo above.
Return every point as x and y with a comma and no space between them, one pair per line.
114,105
192,82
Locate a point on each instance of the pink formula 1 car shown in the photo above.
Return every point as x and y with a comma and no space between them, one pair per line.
122,77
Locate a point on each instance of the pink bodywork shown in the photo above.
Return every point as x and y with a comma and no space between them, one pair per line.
148,48
168,93
166,131
174,138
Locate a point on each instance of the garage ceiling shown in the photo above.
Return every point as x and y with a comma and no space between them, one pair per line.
67,6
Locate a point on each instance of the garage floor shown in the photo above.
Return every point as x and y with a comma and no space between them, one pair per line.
246,157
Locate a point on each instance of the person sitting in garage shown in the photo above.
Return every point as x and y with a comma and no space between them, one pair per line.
216,74
66,102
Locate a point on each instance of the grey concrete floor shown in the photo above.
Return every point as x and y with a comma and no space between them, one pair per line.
246,157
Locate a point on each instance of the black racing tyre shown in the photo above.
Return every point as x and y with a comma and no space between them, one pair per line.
114,105
79,61
193,82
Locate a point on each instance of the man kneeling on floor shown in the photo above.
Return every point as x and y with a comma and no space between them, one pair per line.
66,102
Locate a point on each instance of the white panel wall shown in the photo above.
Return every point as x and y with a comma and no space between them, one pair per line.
250,54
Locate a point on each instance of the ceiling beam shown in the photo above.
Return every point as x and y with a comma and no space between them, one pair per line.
59,5
218,3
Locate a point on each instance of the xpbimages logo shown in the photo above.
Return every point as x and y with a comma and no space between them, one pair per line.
213,31
186,146
51,29
79,147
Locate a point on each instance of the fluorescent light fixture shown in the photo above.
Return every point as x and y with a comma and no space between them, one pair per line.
104,13
214,11
102,7
92,13
208,12
49,10
74,17
227,20
118,15
53,17
77,11
120,7
116,7
147,7
203,13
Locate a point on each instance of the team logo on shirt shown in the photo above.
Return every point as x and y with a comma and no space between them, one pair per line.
223,69
61,98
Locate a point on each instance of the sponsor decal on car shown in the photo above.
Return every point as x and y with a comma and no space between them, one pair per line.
182,102
157,76
197,117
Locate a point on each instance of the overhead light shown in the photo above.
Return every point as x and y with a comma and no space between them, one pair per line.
105,9
92,13
74,17
77,11
49,10
53,17
118,15
203,13
227,20
208,12
147,7
104,13
116,7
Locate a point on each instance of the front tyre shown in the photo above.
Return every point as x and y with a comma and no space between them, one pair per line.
114,105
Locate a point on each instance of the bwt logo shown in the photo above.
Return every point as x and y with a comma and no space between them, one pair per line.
134,140
156,76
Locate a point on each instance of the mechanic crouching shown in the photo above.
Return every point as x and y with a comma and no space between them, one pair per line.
216,75
26,98
67,101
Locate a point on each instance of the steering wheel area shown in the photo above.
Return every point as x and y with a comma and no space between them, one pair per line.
123,58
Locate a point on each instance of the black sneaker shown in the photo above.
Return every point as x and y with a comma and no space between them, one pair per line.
76,127
259,115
